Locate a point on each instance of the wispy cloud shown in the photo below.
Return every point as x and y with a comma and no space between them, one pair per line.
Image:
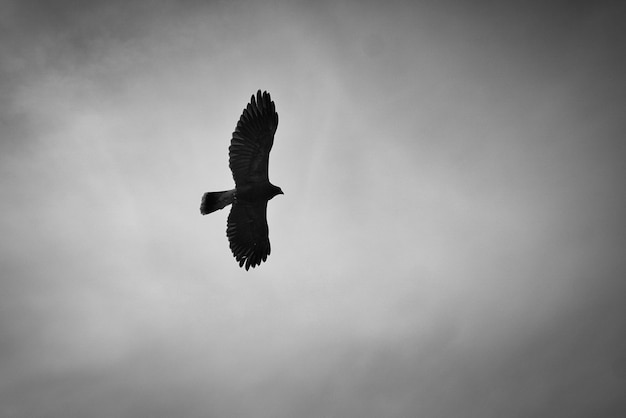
450,242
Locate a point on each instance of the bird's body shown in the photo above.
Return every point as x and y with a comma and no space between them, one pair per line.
247,230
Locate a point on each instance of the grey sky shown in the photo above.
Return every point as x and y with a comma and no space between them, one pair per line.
450,242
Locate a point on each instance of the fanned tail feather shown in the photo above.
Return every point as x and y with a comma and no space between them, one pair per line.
213,201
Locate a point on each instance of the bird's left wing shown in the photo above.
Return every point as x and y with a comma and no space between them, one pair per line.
248,233
252,141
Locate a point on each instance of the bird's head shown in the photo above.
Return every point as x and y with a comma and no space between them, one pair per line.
276,191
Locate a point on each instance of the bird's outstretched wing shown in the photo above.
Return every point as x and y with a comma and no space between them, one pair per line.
248,233
252,141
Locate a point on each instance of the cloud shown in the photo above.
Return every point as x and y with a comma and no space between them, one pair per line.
449,242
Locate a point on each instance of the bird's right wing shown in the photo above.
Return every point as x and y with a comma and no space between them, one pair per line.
248,233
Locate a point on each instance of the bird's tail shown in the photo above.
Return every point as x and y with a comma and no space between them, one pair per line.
213,201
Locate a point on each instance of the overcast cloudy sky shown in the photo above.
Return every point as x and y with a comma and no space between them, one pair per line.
451,242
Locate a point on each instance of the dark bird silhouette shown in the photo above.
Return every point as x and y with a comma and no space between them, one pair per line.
249,151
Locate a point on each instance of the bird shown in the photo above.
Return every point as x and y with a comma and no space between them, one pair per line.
249,151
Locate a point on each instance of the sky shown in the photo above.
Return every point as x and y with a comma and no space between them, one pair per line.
450,241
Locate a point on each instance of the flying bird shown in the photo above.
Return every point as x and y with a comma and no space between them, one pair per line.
249,151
